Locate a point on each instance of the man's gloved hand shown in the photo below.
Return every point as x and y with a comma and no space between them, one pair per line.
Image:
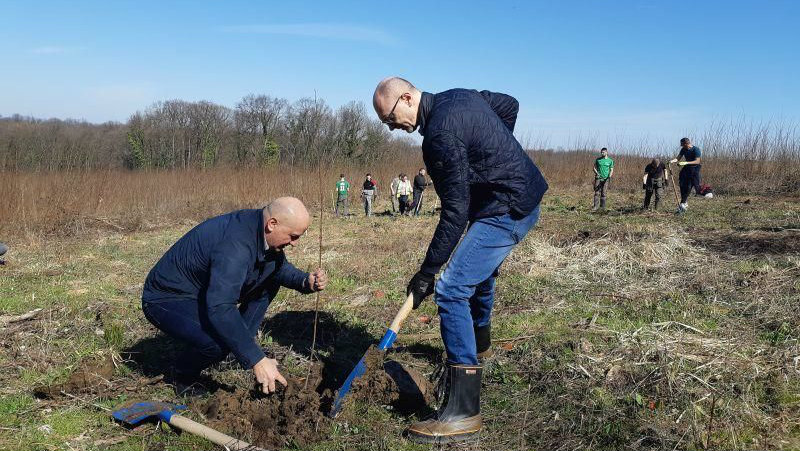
421,285
682,163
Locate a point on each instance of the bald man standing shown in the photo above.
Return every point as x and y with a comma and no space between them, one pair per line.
213,286
487,185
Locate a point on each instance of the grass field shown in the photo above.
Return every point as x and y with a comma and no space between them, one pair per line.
617,330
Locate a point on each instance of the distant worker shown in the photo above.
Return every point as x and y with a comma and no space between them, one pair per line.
212,288
393,188
342,197
3,250
689,177
489,187
404,194
369,193
603,171
654,181
420,183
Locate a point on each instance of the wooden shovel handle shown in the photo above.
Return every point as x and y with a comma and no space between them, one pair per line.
405,309
212,435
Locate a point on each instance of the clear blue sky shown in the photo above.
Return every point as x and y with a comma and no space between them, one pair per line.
579,68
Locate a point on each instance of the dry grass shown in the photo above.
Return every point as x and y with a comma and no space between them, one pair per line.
72,203
725,174
59,203
615,331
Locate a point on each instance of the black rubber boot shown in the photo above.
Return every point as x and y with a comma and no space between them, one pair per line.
483,341
459,417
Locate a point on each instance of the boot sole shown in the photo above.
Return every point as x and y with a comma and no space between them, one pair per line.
442,439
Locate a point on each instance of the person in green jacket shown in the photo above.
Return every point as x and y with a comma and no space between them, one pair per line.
342,193
603,171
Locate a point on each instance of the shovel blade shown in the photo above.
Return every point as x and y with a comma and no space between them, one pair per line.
135,413
358,371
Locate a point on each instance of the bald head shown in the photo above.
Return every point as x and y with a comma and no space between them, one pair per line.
288,210
286,219
389,89
396,101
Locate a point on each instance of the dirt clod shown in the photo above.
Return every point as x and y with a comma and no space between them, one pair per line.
388,382
616,377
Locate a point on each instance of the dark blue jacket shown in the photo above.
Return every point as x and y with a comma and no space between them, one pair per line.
477,166
220,263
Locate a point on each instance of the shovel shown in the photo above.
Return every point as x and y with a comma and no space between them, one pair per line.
164,411
384,344
672,182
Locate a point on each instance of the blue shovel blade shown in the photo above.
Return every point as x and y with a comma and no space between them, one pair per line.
358,371
135,413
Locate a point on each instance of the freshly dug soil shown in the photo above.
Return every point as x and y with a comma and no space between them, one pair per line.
388,382
291,416
296,415
91,376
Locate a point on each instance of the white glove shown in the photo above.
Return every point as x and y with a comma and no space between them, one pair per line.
674,160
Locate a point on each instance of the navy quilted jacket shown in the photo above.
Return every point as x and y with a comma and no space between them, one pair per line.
477,166
221,263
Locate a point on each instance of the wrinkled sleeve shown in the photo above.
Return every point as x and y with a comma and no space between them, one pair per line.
290,277
446,158
228,272
504,106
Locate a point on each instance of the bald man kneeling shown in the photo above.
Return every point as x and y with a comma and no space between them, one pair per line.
212,288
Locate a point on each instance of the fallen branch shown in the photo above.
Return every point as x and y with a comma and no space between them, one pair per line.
93,404
520,338
8,319
685,326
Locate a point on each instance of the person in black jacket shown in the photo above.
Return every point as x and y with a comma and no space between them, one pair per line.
489,187
420,183
212,288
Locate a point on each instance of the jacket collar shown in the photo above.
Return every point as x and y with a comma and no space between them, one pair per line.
425,106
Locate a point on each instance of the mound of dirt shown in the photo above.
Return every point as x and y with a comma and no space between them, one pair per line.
91,376
296,415
291,416
388,382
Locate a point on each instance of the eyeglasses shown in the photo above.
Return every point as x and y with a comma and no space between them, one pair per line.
389,119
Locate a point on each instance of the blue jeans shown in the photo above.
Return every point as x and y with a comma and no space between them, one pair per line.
186,320
465,290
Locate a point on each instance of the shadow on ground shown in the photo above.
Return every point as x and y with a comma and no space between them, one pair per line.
339,347
153,356
773,241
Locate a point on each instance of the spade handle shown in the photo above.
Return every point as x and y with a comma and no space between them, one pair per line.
402,314
214,436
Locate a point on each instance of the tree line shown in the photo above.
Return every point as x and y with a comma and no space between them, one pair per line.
260,130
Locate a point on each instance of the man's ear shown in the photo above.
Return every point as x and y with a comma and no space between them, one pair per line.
270,225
